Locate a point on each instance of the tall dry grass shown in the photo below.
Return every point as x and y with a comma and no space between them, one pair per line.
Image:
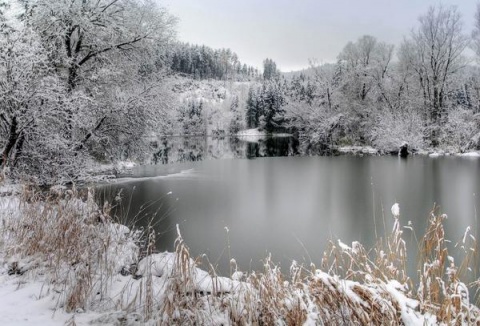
94,264
65,237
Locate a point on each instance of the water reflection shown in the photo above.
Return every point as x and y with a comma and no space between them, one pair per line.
169,150
292,205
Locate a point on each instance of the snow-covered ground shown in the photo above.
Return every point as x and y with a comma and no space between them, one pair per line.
254,135
189,173
439,153
357,150
251,132
120,166
470,154
27,302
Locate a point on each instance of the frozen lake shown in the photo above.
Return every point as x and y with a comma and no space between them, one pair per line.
290,206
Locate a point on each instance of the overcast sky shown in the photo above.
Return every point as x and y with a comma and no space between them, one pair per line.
292,31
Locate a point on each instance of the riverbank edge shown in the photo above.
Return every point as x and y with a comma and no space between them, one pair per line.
369,150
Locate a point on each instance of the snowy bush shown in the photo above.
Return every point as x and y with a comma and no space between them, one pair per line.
394,128
460,127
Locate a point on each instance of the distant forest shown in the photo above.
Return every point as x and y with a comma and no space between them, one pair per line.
203,62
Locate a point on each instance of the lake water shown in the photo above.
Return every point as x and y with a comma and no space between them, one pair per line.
242,200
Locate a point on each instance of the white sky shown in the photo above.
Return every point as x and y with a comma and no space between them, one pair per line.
293,31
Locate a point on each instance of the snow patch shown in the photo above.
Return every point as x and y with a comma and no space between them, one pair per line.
470,154
182,174
163,265
436,154
125,165
251,132
254,135
358,150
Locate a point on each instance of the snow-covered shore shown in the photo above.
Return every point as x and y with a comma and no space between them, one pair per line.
254,135
368,150
97,275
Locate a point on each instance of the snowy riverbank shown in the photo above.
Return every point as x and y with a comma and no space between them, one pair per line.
94,271
368,150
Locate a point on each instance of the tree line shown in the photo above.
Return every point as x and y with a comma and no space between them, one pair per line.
425,92
203,62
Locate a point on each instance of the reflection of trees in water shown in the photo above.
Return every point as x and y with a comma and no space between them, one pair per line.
273,147
161,156
190,149
178,149
308,148
253,150
238,148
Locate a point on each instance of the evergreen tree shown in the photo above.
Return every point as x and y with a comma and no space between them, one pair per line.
253,113
236,122
272,95
192,118
204,62
270,70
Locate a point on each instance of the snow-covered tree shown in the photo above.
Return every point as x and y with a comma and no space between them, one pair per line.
236,123
434,52
476,32
270,70
253,108
76,78
271,105
192,118
87,33
31,97
364,66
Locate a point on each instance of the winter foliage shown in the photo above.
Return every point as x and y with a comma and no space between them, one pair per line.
84,82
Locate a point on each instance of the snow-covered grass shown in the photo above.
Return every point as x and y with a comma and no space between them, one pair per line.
64,260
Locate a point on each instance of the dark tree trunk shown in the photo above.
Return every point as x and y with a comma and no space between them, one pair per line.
19,148
329,99
436,105
89,135
364,92
12,139
72,77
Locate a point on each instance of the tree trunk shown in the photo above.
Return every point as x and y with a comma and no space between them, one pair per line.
364,92
436,105
329,99
90,134
72,77
12,139
19,148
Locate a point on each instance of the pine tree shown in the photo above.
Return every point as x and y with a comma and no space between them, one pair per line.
252,115
236,122
270,70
